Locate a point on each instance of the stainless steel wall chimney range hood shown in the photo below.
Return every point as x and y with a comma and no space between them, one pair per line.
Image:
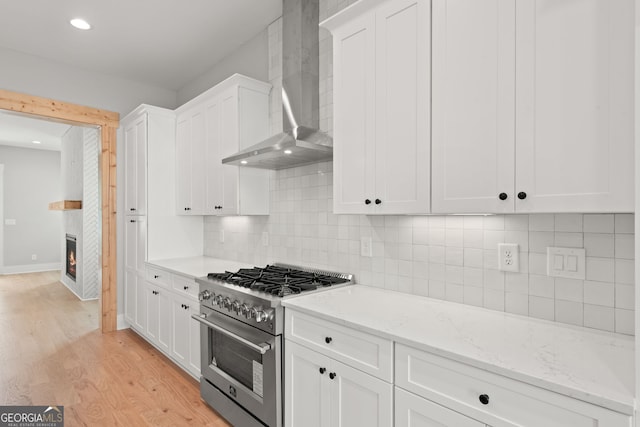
302,142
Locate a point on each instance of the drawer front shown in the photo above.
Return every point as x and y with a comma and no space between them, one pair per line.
185,286
368,353
414,411
510,403
158,277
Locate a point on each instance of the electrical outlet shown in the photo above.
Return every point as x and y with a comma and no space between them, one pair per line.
34,257
508,257
366,247
265,238
221,236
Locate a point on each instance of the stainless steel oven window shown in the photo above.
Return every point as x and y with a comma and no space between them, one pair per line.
237,360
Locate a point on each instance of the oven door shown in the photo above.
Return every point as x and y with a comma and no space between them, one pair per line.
244,363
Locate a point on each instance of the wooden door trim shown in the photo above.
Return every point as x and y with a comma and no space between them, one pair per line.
108,123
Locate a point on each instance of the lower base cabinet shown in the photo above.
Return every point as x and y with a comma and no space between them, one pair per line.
158,320
185,332
414,411
320,391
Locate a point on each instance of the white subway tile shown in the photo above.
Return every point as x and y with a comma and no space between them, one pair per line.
454,237
569,289
494,279
598,223
405,251
516,303
541,286
405,235
454,256
624,271
452,221
599,317
454,274
539,241
473,277
599,293
568,222
435,272
473,238
569,240
436,236
473,257
405,268
521,238
494,222
454,293
491,259
537,264
517,283
542,308
493,300
625,297
473,222
405,285
541,222
600,269
492,238
599,245
437,254
624,224
421,287
436,221
473,296
516,222
624,246
624,321
420,253
570,312
437,289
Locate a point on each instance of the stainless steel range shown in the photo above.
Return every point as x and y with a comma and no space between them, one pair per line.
241,341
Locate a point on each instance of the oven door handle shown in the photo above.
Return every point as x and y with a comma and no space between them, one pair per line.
262,347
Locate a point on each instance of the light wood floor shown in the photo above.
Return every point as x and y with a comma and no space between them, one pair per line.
51,352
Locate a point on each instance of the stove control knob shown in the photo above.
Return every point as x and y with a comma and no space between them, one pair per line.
227,303
235,306
263,316
219,300
252,313
204,295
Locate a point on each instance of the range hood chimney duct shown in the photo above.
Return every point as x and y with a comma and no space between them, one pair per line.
301,142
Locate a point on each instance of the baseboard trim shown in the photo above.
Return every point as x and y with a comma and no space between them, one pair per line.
121,323
30,268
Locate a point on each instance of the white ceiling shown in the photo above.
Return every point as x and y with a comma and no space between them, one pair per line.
19,131
165,43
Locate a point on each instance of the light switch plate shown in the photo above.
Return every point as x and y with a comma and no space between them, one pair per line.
508,257
366,247
566,262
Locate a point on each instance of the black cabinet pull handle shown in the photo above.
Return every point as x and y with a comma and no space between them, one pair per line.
186,307
367,202
328,340
155,276
484,399
332,375
132,220
186,288
378,201
323,370
182,305
522,195
132,209
503,196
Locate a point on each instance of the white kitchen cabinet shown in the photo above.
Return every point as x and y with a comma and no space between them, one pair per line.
414,411
320,391
185,345
190,162
130,282
135,160
227,118
532,106
381,54
158,316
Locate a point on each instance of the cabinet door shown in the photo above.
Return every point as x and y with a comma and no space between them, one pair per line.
228,146
153,312
574,105
194,340
402,117
135,249
198,135
354,116
183,164
414,411
130,280
141,304
213,170
164,320
473,106
306,391
359,399
135,140
180,324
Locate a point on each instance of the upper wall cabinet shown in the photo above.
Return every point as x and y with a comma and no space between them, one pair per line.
532,106
381,56
227,118
135,160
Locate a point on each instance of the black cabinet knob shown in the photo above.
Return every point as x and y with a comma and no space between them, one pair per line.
367,202
156,276
323,370
378,201
132,220
132,209
522,195
186,307
503,196
332,375
328,340
186,288
484,399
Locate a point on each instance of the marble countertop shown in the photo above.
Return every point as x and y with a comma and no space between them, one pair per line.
198,266
589,365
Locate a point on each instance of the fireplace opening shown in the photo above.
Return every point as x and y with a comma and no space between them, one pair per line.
71,256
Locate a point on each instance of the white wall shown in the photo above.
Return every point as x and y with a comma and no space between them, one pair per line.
31,182
41,77
251,59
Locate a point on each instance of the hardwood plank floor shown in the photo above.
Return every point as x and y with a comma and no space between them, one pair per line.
51,352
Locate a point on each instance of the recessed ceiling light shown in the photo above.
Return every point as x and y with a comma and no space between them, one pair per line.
36,142
80,24
244,162
287,151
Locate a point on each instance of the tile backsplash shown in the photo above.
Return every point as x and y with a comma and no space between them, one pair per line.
446,257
